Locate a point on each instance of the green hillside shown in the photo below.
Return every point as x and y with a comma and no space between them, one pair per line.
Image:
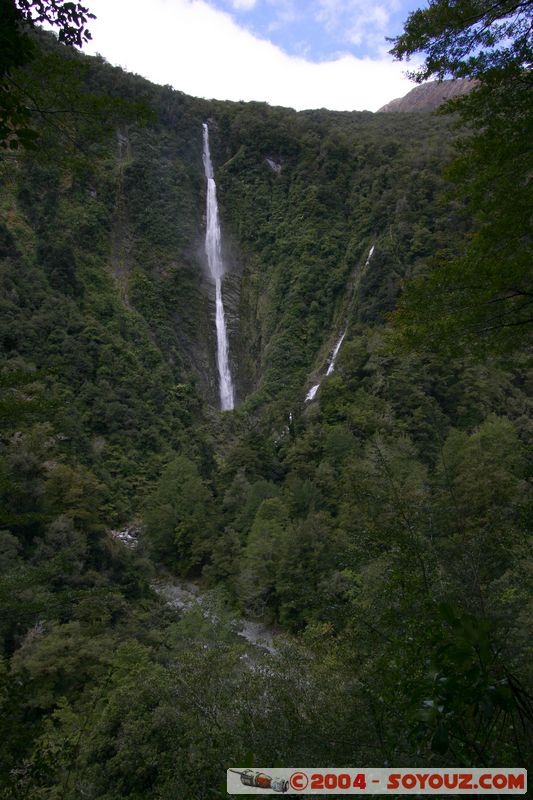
380,529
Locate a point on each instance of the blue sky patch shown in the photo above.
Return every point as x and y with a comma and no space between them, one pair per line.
320,30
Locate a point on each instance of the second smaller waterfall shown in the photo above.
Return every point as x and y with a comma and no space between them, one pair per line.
335,353
311,394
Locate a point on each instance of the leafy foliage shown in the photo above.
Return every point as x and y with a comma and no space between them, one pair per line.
18,49
382,527
483,294
468,39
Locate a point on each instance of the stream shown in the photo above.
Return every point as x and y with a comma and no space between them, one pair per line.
183,595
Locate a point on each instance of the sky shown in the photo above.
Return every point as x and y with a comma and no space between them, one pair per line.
297,53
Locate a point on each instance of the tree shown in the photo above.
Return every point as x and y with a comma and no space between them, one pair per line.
17,49
18,16
179,515
261,559
307,556
468,38
485,292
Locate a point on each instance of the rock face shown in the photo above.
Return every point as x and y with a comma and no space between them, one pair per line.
429,96
129,536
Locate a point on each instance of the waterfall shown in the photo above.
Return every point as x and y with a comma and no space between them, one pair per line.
312,392
335,354
216,267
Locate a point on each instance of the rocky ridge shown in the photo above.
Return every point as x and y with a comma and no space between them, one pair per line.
429,96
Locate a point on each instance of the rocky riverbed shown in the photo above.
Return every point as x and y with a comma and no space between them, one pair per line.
183,595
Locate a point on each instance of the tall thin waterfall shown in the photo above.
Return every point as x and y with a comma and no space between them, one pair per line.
216,267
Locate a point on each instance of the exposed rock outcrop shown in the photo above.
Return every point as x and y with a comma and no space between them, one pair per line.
429,96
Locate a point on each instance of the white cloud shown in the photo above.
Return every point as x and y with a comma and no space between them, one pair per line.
243,5
369,26
329,12
357,21
203,52
284,12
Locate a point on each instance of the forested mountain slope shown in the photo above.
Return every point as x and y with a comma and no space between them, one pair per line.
110,234
383,524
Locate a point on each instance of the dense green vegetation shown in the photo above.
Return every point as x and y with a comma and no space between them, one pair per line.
383,527
480,298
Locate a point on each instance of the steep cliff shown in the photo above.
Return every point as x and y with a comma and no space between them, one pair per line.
104,241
